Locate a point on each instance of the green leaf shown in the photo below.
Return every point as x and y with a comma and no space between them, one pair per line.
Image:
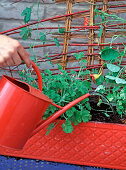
21,74
85,119
96,12
113,67
99,80
79,56
57,42
87,105
100,88
42,37
110,97
86,112
120,103
49,72
75,122
123,94
67,122
73,93
115,89
27,14
86,116
25,33
87,84
84,61
78,117
102,17
50,127
111,77
61,30
99,102
70,112
67,127
96,9
46,55
94,71
59,66
120,81
107,115
100,31
122,53
109,54
96,15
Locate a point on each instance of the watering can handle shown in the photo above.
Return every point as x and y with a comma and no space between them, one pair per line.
38,75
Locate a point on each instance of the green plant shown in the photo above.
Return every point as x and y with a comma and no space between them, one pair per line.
64,87
113,84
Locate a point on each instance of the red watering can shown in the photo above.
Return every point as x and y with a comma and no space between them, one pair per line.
21,110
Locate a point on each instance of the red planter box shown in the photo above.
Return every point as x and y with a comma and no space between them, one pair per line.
93,144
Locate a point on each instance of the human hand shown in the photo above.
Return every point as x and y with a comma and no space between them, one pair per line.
12,52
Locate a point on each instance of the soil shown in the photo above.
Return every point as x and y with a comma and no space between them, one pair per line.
101,117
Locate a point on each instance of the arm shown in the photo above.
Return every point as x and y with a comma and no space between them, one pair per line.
12,52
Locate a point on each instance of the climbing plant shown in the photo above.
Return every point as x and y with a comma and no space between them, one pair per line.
64,87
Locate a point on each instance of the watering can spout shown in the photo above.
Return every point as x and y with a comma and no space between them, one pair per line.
62,110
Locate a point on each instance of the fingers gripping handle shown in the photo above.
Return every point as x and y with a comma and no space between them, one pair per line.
38,75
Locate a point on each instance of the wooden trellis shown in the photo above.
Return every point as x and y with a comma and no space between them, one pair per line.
67,33
91,35
86,41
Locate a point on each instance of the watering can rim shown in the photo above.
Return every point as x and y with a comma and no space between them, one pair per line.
46,98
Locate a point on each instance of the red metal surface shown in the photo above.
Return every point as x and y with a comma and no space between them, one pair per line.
19,114
38,75
21,109
93,144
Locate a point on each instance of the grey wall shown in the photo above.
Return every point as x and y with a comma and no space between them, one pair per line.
10,17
